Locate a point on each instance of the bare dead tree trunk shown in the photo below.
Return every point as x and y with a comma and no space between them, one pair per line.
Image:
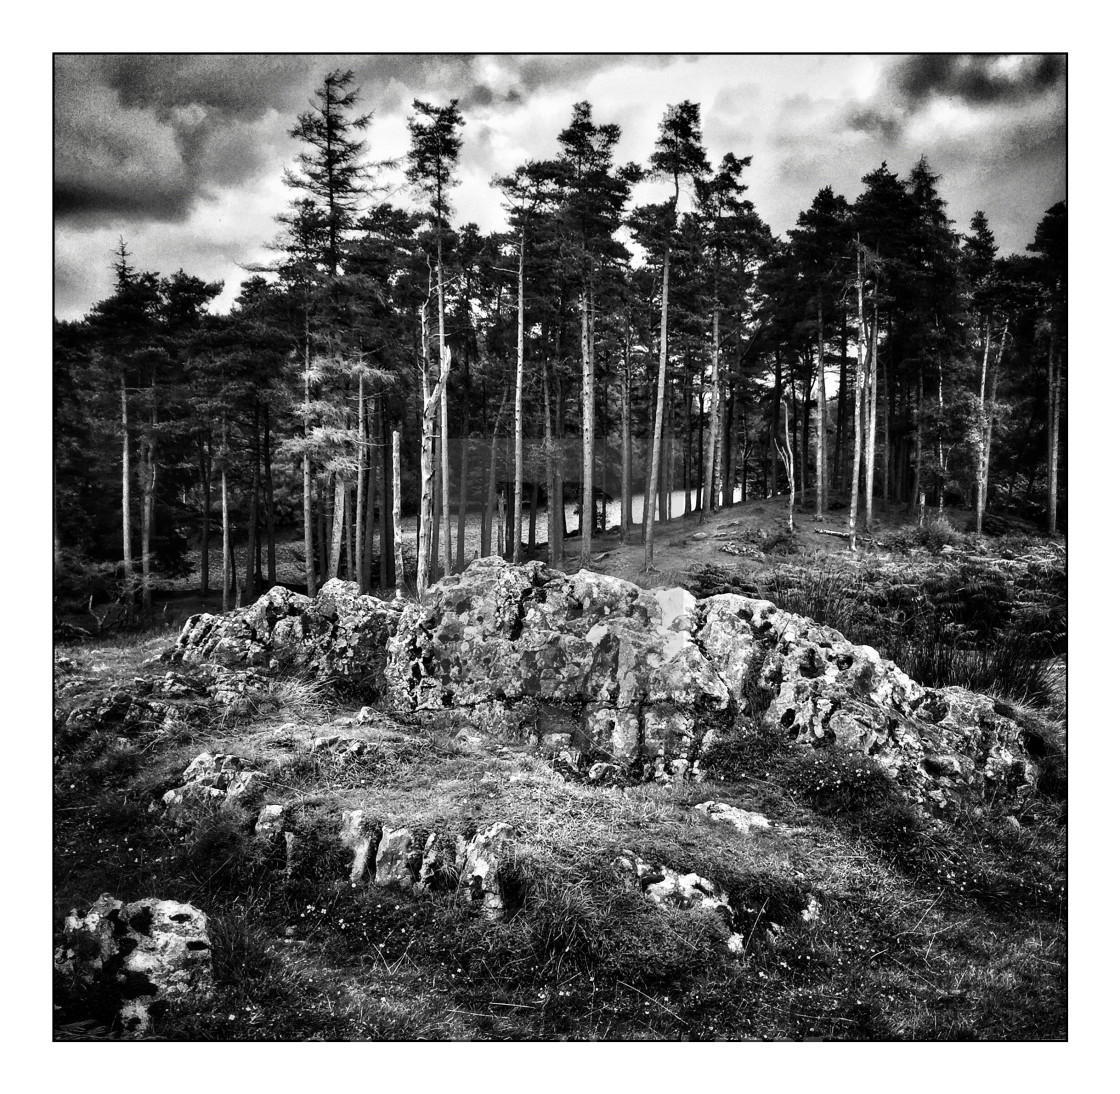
786,456
430,403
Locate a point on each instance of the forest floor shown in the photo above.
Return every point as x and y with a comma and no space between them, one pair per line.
927,929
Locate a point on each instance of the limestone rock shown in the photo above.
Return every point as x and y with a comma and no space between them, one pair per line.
148,951
607,666
210,782
481,865
339,635
359,836
742,820
399,858
270,822
668,887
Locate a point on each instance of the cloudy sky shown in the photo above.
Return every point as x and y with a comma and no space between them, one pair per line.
183,155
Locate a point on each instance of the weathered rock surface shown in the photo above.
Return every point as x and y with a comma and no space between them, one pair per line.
605,672
643,678
665,886
210,782
338,635
742,820
481,866
359,836
144,952
605,667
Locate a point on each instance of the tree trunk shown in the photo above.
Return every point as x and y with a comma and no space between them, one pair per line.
398,539
774,419
126,497
786,455
147,504
872,387
308,527
252,568
626,516
554,497
226,546
336,526
841,401
269,498
361,565
686,482
205,468
713,421
587,506
1054,417
857,408
659,413
822,416
518,429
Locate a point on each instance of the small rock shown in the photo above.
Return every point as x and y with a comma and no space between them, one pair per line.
741,820
357,835
395,859
480,867
270,822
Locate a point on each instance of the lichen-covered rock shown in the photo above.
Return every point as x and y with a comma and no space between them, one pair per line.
481,862
742,820
606,672
270,822
359,835
821,689
145,952
122,711
210,782
606,667
339,635
399,858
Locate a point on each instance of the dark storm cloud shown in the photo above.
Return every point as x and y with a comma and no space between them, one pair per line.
875,123
148,136
978,80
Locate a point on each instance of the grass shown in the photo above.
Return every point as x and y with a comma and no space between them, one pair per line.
862,918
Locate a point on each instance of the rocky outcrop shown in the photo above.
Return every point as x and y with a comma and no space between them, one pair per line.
600,669
338,635
141,953
601,672
594,663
